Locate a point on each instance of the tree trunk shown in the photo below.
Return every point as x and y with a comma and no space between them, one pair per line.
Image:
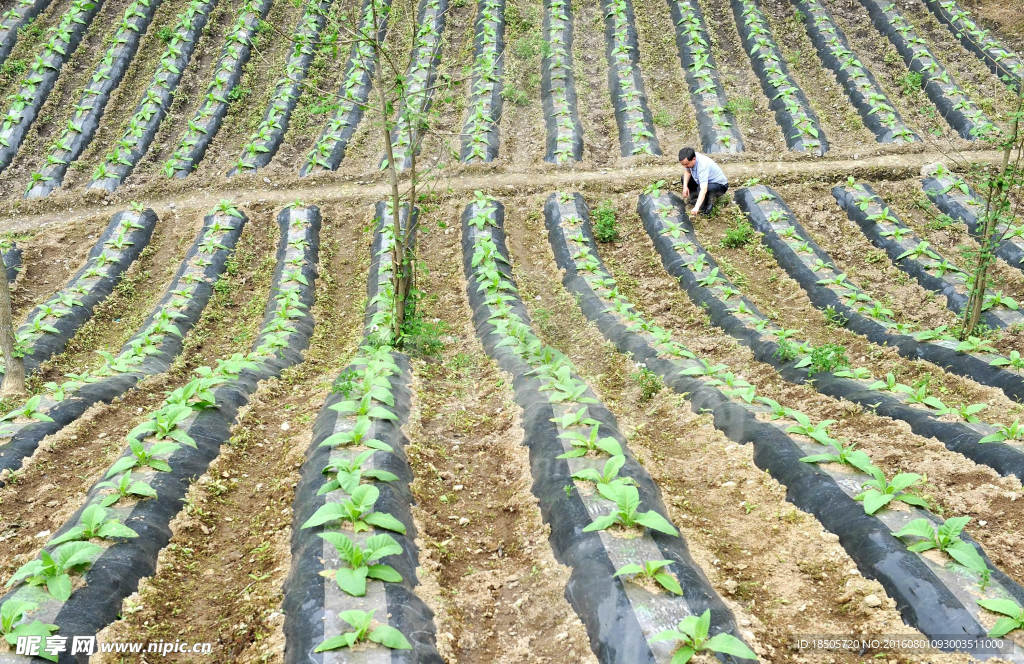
14,367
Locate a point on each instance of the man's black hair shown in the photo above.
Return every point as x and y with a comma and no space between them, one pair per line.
686,154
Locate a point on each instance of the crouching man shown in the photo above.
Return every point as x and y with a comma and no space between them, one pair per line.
703,180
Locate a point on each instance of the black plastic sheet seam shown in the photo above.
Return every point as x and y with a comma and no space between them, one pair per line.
311,601
12,260
1003,62
183,302
793,112
23,12
213,107
352,96
264,142
715,123
420,78
142,127
480,133
952,102
88,113
620,616
558,86
930,597
799,256
41,75
70,307
626,82
115,573
870,100
954,197
881,226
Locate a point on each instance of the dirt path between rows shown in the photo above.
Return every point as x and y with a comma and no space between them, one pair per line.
606,180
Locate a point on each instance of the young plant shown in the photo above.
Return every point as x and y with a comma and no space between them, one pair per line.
969,412
880,492
351,472
53,571
692,635
163,424
29,411
1015,361
362,563
141,457
627,500
609,474
844,454
652,569
12,612
94,523
1007,607
945,538
1004,433
804,427
581,444
361,621
357,510
125,487
357,436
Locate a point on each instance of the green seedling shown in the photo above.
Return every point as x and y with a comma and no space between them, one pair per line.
357,510
692,635
29,411
365,405
880,492
351,472
125,487
142,457
1005,433
592,442
12,612
94,523
975,345
574,418
858,373
357,436
778,411
609,474
1014,616
53,571
945,538
627,500
705,369
804,427
968,413
361,561
844,454
652,569
1015,361
163,425
361,622
890,385
921,396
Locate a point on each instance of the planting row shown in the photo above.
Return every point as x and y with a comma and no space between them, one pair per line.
1003,62
263,144
52,324
952,102
419,85
793,112
150,351
558,86
860,85
119,163
113,540
480,138
20,14
716,125
882,523
626,83
329,149
607,520
42,75
85,119
214,107
827,287
354,556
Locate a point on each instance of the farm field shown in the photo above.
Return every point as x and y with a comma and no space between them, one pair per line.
381,331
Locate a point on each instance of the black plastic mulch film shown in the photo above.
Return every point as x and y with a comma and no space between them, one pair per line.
184,300
263,144
952,102
116,571
41,75
1003,62
620,616
934,598
312,602
70,307
156,99
352,96
626,81
796,118
85,119
956,198
870,100
480,133
420,79
558,86
213,106
910,253
716,126
21,13
798,254
12,262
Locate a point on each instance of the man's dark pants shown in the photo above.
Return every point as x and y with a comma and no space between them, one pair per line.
715,191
